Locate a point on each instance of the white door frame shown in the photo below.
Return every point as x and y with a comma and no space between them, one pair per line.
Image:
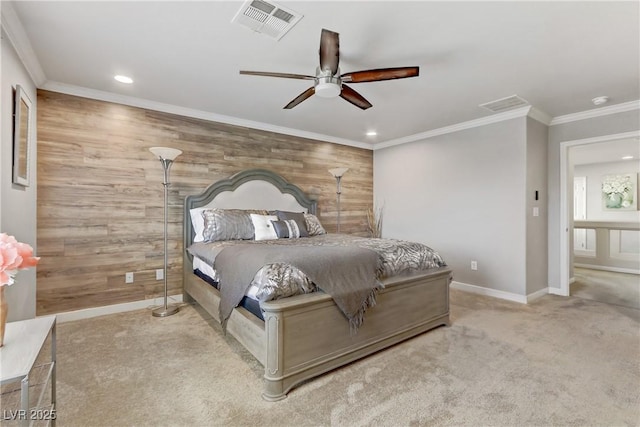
579,195
565,221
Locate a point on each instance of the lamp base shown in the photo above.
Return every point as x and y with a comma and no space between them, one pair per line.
164,312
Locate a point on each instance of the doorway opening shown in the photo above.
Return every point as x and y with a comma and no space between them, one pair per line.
590,236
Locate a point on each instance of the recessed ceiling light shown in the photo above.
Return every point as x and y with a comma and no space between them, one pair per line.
372,133
599,100
123,79
627,158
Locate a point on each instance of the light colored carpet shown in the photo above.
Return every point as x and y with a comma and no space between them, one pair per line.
606,286
559,361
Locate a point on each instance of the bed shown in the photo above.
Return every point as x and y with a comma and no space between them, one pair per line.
302,336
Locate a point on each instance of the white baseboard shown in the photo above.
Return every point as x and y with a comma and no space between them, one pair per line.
607,268
509,296
538,294
489,292
87,313
557,291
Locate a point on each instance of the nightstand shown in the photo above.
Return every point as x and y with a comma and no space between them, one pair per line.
23,342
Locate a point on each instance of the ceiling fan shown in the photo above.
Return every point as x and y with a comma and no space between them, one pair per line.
329,83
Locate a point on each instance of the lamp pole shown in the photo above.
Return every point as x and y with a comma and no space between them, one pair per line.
338,193
337,174
166,157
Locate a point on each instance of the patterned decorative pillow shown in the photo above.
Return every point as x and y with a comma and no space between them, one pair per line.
314,227
228,224
287,229
298,217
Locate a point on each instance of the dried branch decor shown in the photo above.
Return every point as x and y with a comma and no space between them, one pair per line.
374,221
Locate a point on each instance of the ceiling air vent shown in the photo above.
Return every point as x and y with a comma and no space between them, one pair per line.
504,104
266,18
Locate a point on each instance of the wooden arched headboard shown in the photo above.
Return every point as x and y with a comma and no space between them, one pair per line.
249,189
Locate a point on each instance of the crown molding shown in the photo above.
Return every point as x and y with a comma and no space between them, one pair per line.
540,116
190,112
500,117
18,38
527,111
597,112
199,114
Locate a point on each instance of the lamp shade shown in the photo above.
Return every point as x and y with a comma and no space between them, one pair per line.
338,172
165,153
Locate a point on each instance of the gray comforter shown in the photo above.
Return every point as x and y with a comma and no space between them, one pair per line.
280,280
346,273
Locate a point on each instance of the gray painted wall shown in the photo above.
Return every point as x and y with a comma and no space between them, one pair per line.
17,204
536,256
589,128
463,194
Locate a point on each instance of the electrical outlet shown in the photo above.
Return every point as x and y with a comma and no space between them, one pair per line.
128,278
474,265
159,274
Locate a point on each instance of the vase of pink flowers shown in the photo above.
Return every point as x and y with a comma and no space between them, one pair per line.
14,256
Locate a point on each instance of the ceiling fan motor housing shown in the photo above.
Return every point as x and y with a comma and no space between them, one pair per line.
328,86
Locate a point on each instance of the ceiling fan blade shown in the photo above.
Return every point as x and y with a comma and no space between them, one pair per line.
303,96
283,75
380,74
354,97
329,51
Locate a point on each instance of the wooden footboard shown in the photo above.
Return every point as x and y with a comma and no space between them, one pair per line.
242,325
307,335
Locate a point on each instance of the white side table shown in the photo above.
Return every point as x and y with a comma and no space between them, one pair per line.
23,341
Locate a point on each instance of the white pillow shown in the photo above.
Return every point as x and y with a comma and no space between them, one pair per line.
197,221
263,227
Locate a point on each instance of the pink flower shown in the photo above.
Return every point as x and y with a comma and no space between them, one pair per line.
14,256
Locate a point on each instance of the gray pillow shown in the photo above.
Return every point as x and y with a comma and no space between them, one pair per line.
298,217
228,224
287,229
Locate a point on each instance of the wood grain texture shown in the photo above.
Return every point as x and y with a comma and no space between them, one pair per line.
100,202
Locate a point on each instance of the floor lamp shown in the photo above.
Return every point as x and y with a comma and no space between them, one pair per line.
166,156
337,174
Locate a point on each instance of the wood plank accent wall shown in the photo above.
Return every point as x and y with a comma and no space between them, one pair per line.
100,194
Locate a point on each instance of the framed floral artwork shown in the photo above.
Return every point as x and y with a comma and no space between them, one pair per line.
620,192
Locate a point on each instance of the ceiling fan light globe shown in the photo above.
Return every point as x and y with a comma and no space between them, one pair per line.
327,89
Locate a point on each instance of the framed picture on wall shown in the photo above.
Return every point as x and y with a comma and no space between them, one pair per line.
22,135
620,192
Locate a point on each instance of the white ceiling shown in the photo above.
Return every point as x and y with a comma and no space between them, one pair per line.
556,55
